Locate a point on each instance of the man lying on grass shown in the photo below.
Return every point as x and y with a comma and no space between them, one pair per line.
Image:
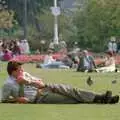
21,87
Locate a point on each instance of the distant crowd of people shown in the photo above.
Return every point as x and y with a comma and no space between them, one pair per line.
87,63
12,48
81,60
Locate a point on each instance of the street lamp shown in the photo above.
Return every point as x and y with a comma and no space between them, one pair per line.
25,19
56,13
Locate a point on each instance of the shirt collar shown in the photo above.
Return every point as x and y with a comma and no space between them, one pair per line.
12,78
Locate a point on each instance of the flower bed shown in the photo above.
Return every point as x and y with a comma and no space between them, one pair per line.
39,58
33,58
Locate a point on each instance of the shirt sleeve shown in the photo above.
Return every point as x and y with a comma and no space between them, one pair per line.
30,77
9,90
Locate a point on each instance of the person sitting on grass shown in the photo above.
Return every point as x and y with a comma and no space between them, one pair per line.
86,63
50,63
7,55
21,87
109,64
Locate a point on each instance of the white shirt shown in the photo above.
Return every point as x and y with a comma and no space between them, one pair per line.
112,46
24,46
48,59
10,88
11,80
29,91
86,62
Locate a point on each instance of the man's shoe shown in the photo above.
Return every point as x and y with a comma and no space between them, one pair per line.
103,99
107,97
114,99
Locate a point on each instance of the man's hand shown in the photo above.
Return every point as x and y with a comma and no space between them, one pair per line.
22,100
30,80
11,99
38,84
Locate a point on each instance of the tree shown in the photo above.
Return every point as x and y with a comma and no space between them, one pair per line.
46,21
34,8
7,23
6,19
96,22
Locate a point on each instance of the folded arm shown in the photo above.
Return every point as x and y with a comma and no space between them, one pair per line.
11,99
30,80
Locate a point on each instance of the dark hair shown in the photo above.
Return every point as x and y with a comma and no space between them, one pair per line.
110,54
12,66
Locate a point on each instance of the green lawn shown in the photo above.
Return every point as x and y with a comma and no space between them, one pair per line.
102,82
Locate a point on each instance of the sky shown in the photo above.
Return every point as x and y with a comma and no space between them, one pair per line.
67,3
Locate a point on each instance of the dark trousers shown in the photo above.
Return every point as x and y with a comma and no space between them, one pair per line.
60,93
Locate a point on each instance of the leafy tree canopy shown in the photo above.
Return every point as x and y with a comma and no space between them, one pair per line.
96,21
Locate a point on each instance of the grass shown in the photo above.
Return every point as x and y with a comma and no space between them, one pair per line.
102,82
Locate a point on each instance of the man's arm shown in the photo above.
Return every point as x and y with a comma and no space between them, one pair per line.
92,59
10,94
11,99
30,80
